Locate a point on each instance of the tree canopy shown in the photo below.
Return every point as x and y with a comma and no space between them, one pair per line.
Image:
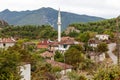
29,31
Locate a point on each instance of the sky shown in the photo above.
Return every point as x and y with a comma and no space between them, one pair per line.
101,8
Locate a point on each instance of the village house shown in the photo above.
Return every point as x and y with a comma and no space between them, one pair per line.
65,67
47,55
102,36
7,42
93,43
43,44
25,70
63,45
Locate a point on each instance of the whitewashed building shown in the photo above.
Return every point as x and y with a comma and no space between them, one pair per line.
102,37
93,43
25,72
7,42
63,45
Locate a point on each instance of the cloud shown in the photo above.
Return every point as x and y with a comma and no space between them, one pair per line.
102,8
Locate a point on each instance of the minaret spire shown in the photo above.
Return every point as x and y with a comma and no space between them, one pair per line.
59,26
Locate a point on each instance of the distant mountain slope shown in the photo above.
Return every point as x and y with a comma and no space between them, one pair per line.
44,16
3,23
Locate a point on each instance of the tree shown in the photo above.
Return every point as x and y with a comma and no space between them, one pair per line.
108,73
58,57
87,64
102,47
9,63
75,76
84,37
74,56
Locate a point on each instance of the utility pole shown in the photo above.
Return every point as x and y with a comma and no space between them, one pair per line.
117,41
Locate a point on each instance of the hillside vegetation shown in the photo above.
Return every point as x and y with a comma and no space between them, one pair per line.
99,26
29,31
85,31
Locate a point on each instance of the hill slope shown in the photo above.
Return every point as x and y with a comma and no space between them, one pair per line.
44,16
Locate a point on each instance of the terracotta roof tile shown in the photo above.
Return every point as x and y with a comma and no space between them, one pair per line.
7,40
43,44
47,54
59,64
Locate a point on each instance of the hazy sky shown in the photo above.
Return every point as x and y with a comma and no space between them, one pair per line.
101,8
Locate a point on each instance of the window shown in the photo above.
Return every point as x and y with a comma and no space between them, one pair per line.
4,44
65,46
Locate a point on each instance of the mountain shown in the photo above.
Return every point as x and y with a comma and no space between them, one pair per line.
44,16
3,23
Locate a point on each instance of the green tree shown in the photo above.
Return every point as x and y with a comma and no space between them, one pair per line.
102,47
9,63
59,56
108,73
74,56
75,76
84,37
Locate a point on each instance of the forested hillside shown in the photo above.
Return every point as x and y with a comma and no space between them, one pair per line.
85,31
46,31
99,26
29,31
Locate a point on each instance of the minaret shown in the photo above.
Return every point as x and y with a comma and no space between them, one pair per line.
59,26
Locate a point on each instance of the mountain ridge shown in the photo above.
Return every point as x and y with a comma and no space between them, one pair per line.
44,16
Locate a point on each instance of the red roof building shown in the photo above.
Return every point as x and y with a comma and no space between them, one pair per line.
43,44
7,42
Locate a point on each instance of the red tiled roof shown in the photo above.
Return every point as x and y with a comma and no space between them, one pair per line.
54,43
59,64
7,40
43,44
64,40
68,41
47,54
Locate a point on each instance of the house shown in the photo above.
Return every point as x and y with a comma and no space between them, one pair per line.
102,37
93,43
48,55
65,67
7,42
63,45
43,44
25,72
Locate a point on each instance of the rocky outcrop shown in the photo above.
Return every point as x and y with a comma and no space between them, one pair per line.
71,29
3,23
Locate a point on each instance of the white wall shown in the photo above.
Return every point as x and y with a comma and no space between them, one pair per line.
6,45
93,45
102,37
102,57
26,72
65,71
